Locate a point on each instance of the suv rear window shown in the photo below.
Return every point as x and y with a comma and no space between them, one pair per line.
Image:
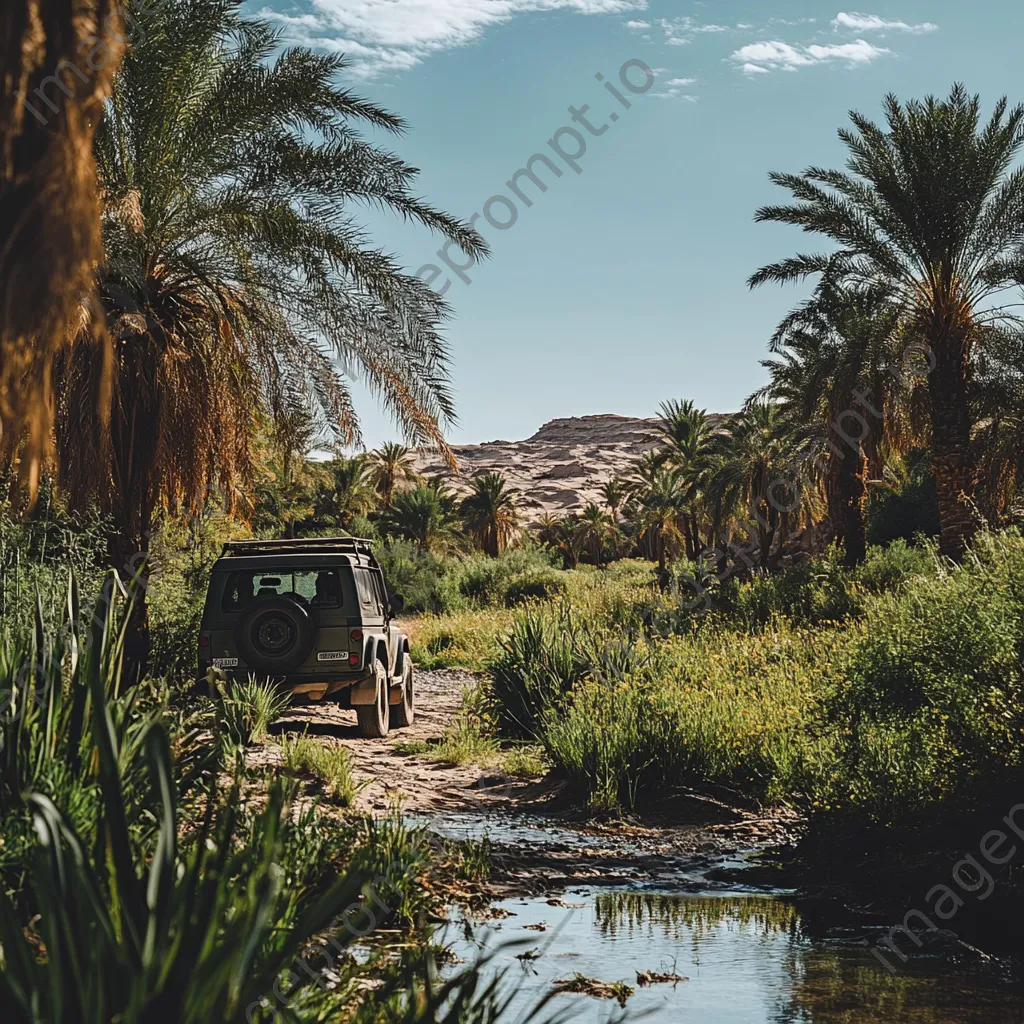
319,588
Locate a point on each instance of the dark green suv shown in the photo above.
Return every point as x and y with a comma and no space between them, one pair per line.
316,616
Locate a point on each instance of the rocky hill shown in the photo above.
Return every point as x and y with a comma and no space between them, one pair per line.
561,468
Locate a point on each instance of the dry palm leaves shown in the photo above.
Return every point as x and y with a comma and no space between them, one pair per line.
57,57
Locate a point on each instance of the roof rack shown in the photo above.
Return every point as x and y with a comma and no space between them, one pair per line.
303,545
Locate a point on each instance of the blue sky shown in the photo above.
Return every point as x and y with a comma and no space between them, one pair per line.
624,285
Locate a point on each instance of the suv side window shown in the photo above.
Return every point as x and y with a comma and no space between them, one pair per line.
364,587
378,585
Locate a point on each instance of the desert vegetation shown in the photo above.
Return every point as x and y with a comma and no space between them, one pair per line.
816,600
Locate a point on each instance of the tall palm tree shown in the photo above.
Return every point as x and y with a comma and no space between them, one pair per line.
598,529
760,477
832,386
392,467
614,492
661,515
686,438
491,513
426,515
234,269
931,208
57,60
348,490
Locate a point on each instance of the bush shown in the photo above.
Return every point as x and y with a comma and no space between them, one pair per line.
715,706
535,585
507,579
419,576
933,711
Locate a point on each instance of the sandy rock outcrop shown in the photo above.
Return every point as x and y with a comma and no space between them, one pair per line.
560,469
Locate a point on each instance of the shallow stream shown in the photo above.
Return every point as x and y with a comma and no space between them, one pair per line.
746,956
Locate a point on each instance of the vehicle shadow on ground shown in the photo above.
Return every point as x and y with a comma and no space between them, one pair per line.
315,727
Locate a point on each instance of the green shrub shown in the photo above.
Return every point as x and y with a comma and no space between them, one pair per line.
899,562
535,585
933,710
419,576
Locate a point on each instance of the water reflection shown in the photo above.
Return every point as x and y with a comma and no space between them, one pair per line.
747,959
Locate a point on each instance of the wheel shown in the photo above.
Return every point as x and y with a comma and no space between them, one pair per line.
375,719
405,713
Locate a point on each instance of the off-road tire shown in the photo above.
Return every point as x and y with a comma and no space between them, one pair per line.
375,719
404,714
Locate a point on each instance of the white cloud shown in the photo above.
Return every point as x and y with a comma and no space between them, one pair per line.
637,25
680,31
775,55
873,23
676,94
680,81
385,35
859,52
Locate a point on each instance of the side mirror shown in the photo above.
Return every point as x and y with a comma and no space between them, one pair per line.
396,603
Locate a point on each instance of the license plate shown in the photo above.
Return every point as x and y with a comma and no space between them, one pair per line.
332,656
225,663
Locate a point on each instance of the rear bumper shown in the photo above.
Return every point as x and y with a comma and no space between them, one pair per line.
306,688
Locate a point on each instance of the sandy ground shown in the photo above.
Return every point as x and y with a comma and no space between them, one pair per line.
423,785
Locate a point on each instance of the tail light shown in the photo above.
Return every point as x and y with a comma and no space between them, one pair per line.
204,641
357,634
353,659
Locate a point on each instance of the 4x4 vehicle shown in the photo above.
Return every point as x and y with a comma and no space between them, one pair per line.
315,616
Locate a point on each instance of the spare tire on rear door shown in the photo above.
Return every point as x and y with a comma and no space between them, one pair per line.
275,635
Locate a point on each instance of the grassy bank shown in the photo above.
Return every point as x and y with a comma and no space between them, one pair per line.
886,703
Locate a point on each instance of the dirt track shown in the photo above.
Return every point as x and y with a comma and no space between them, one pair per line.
424,785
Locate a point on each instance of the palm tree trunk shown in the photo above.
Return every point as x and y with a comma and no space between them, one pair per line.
851,496
952,460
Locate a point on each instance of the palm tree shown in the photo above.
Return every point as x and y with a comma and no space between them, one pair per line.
491,513
760,476
833,387
614,492
998,413
572,539
426,515
344,490
48,205
931,209
598,529
686,437
392,467
547,529
291,480
660,516
234,269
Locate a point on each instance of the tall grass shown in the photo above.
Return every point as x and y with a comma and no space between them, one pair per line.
889,695
329,763
244,711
